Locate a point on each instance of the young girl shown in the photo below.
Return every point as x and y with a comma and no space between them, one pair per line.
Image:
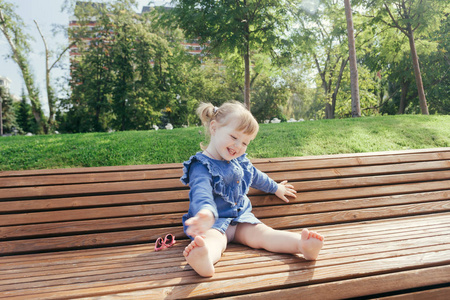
219,179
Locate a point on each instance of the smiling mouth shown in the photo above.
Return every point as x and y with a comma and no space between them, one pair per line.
231,151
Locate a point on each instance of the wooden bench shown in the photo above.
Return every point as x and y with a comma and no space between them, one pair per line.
90,232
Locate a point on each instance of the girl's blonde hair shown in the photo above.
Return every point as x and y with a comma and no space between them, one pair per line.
227,112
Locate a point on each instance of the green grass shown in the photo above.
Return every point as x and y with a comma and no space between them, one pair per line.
367,134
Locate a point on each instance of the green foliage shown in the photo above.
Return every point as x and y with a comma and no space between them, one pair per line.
130,76
8,112
25,119
269,97
11,25
349,135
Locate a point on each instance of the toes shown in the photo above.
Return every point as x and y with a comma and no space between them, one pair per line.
315,235
191,246
305,234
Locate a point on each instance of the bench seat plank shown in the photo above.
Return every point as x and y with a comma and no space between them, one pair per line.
359,287
249,277
346,253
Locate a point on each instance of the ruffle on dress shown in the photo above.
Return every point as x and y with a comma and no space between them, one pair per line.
219,186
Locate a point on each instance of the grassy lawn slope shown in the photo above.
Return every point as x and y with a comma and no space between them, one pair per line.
367,134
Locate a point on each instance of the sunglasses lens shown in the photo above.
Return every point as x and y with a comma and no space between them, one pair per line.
169,238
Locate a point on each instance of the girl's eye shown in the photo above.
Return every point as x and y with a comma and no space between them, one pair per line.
233,137
245,144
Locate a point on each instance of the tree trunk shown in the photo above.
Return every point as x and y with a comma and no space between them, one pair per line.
356,108
402,106
247,77
417,74
247,62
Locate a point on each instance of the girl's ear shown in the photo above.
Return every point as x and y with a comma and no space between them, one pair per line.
213,127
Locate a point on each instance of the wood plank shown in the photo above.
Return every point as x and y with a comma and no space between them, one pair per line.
356,215
432,294
440,152
359,287
127,263
152,223
99,200
358,230
171,276
295,221
343,163
83,170
295,173
373,238
358,192
371,233
232,282
377,238
296,207
91,188
144,186
88,214
85,240
181,207
24,181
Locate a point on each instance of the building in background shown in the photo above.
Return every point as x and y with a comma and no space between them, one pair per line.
5,83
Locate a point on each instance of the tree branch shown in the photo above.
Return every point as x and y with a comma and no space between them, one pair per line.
395,21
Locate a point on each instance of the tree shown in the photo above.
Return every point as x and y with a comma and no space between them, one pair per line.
23,114
7,111
270,97
236,26
320,38
11,26
356,109
50,91
129,75
411,17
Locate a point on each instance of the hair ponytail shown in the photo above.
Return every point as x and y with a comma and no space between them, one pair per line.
205,112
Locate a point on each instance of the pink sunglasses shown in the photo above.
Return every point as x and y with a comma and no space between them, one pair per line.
169,241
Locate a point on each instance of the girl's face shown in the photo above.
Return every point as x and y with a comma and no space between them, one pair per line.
227,142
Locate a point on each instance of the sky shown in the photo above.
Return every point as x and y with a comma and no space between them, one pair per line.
46,13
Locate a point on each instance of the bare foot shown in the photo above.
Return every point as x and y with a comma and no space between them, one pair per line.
197,256
311,243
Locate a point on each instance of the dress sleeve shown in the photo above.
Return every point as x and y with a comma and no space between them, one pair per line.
259,180
263,182
201,189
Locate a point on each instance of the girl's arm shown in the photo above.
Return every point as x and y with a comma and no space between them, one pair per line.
264,183
202,204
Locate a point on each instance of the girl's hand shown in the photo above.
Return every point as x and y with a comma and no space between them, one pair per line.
199,224
285,189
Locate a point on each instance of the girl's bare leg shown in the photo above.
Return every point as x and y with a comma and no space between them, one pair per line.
262,236
204,251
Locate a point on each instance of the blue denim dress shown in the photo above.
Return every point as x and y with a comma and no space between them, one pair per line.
222,186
